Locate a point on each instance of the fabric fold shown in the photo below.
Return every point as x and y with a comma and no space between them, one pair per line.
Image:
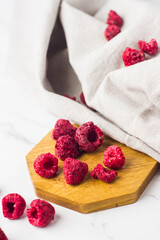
65,52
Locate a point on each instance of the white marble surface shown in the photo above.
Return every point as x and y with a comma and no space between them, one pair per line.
23,122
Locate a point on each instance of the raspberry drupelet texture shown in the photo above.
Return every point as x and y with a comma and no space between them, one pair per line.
66,146
46,165
131,56
13,206
67,96
74,170
89,137
2,235
113,157
114,19
41,213
150,48
63,127
111,31
103,173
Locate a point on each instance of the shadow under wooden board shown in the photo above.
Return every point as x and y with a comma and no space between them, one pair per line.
92,195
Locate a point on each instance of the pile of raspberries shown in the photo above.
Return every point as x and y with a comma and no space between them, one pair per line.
71,142
130,56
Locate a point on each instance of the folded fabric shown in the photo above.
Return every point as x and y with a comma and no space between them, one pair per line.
58,47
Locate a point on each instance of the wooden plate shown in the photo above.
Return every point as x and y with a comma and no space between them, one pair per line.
93,194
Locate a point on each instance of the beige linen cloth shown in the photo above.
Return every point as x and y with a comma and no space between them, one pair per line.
58,47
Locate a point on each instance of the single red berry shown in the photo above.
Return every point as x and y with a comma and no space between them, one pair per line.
89,137
113,157
103,173
150,48
13,206
131,56
84,101
41,213
67,96
66,146
74,170
83,98
114,19
2,235
111,31
63,127
46,165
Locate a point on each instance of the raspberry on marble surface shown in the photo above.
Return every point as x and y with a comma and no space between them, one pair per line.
113,157
13,206
46,165
132,56
41,213
2,235
103,173
150,48
63,127
74,170
114,19
111,31
89,137
66,146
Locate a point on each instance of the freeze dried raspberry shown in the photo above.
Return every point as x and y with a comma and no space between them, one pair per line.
89,137
67,96
13,206
131,56
2,235
84,101
150,48
46,165
83,98
113,157
66,146
63,127
74,170
111,31
41,213
114,19
103,173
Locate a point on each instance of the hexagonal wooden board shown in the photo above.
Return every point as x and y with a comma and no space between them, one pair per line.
93,194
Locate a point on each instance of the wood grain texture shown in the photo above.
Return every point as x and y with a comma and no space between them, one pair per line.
93,194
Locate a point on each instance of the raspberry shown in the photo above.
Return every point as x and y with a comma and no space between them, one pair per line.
84,101
131,56
89,137
83,98
41,213
74,170
46,165
103,173
2,235
63,127
66,146
67,96
111,31
113,157
13,206
114,19
150,48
